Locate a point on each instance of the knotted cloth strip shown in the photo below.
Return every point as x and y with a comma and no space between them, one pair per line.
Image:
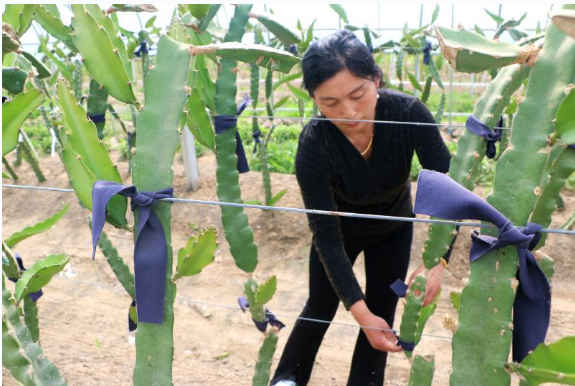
34,296
256,136
440,196
477,127
150,251
223,123
427,53
400,289
143,48
270,318
97,118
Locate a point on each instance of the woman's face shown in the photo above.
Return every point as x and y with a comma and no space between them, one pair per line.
346,96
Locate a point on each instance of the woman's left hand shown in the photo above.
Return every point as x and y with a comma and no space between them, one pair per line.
434,279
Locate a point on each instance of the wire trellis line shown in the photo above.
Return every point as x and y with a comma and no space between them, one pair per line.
186,300
365,120
423,124
308,211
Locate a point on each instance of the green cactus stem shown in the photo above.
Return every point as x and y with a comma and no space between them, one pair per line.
482,342
561,167
236,227
31,317
10,40
13,115
157,127
92,159
412,309
25,148
465,164
468,51
20,354
9,169
548,363
37,228
199,122
422,371
100,57
43,71
77,78
259,55
198,253
116,39
547,264
284,34
52,23
214,8
9,264
13,79
97,105
39,275
259,295
265,356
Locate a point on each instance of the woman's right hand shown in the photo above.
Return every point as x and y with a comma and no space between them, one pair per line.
373,326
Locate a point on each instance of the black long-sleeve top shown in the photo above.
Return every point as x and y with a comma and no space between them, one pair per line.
333,176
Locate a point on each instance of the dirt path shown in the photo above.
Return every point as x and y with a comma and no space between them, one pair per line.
83,314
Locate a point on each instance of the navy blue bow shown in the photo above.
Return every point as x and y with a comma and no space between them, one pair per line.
223,123
270,318
34,296
256,136
142,49
440,196
97,118
477,127
293,49
427,53
150,251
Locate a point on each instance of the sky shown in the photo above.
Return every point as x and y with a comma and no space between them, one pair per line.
383,16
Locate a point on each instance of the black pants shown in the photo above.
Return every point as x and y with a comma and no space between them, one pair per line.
386,260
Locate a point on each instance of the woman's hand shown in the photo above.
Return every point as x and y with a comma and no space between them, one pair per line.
379,340
434,279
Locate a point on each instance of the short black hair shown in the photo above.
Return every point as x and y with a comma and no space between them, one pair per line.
335,53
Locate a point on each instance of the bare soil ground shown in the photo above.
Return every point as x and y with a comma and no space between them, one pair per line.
83,314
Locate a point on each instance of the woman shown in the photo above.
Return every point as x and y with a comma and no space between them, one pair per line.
358,167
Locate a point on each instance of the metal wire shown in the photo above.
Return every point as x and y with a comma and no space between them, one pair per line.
365,120
186,300
307,211
422,124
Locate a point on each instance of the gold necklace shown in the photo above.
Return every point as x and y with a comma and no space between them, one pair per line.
368,145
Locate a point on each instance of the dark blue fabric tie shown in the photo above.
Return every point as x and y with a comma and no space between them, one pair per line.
132,325
150,251
427,53
270,318
400,289
256,136
293,49
143,48
477,127
34,296
223,123
97,118
440,196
